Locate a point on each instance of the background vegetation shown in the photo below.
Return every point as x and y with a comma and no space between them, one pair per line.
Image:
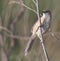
22,27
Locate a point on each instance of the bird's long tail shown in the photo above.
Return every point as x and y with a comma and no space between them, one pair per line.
29,44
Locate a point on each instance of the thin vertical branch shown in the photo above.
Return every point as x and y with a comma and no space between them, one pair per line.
41,38
37,10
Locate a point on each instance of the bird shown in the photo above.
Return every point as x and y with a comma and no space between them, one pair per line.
44,25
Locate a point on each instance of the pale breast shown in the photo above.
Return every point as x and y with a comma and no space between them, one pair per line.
35,27
37,24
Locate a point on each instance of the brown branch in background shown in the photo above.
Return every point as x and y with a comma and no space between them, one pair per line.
5,29
3,51
11,35
18,37
1,39
13,27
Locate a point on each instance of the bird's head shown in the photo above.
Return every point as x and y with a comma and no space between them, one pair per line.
46,12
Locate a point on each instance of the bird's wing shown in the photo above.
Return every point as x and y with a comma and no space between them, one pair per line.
29,44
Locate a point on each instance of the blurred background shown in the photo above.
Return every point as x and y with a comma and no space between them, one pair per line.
18,21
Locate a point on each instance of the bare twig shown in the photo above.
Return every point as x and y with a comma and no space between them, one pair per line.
18,37
29,8
17,2
1,39
5,29
13,27
41,37
3,51
11,35
34,2
37,11
53,34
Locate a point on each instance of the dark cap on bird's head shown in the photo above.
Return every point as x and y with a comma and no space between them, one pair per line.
46,11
